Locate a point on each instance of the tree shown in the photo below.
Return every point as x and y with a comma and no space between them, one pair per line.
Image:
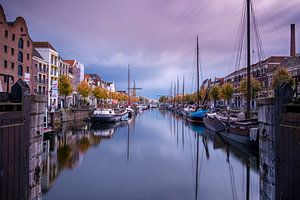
163,99
64,87
215,93
227,91
281,76
100,93
255,87
84,89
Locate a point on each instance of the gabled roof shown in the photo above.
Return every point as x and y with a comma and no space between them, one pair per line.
276,59
86,76
43,45
36,54
70,62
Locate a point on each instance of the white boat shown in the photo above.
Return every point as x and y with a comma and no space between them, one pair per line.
107,115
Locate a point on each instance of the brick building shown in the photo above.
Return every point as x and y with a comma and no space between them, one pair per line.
16,53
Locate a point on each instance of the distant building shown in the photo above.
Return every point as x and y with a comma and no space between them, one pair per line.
51,56
41,80
111,87
97,79
63,67
260,71
16,53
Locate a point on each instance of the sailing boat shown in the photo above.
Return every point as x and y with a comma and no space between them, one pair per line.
244,131
198,115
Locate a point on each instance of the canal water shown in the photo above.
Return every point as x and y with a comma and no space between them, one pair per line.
156,155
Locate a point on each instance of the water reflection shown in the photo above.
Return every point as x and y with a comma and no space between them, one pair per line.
248,159
157,155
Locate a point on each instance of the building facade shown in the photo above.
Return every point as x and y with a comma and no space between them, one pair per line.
16,53
51,56
41,80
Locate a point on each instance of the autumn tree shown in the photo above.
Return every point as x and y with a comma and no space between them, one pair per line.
163,99
215,93
282,76
255,87
64,87
84,89
100,93
227,91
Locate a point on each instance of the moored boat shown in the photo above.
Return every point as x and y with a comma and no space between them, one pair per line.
245,132
107,116
197,116
214,123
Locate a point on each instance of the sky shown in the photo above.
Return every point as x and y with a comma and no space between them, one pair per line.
157,38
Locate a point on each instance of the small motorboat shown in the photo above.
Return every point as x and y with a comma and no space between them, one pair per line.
107,116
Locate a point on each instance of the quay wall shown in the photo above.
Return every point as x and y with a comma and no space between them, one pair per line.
267,147
279,145
38,106
68,116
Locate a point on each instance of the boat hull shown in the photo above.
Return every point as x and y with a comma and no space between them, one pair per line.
106,118
239,135
213,123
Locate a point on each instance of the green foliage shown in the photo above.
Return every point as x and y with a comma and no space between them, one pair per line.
227,91
64,86
100,93
84,89
282,76
215,93
190,98
163,99
255,87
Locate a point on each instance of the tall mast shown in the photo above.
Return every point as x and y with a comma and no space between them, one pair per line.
171,92
248,59
198,89
129,100
177,86
182,91
174,93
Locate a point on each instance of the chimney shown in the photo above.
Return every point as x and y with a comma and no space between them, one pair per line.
293,41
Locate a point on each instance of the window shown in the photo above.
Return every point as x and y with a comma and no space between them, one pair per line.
21,43
44,90
40,90
5,64
21,29
20,56
6,33
28,56
12,65
20,70
13,37
5,49
27,69
12,51
40,67
40,78
28,43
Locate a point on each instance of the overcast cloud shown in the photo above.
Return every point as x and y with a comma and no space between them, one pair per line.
156,37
